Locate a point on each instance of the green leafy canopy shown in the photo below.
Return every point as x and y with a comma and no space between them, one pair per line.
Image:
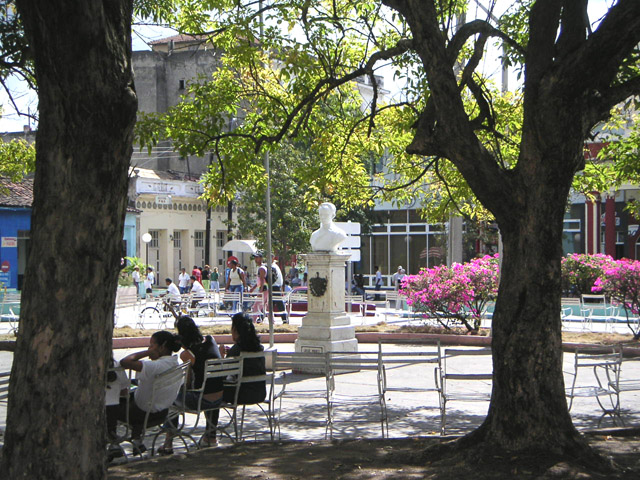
288,70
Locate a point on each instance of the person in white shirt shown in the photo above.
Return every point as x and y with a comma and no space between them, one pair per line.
161,346
197,291
378,285
183,281
398,276
278,304
149,281
136,279
173,294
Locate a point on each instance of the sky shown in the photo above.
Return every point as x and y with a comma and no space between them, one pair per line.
27,100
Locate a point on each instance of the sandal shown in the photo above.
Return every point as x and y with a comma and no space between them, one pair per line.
208,442
165,451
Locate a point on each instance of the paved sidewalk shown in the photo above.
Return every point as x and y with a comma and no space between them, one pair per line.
410,414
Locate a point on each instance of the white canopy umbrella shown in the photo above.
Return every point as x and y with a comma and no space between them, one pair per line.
240,246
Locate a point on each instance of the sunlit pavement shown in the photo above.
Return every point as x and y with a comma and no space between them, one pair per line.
409,414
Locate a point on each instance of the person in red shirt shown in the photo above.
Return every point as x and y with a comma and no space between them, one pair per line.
196,272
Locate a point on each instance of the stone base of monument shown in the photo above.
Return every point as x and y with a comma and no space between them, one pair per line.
326,327
318,338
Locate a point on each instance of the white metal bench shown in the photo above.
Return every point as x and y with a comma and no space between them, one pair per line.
423,356
603,364
447,375
595,307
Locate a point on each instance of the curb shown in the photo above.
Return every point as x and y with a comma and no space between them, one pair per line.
373,337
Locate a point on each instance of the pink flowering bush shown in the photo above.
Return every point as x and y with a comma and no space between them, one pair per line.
456,294
621,282
581,270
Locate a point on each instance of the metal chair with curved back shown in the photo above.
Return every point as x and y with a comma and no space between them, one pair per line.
174,376
266,406
217,368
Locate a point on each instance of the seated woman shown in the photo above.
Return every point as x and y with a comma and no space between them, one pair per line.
246,340
197,350
117,386
161,346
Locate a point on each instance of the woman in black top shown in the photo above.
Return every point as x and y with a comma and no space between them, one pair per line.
197,350
246,339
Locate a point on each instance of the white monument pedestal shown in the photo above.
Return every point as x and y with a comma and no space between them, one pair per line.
326,327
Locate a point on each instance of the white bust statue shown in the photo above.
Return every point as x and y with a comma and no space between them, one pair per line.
329,235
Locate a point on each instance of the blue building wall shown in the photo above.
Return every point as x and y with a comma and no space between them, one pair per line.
14,219
11,220
130,234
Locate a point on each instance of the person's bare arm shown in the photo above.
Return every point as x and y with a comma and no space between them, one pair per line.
132,362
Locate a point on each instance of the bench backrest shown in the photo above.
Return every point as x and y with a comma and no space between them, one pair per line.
451,353
4,385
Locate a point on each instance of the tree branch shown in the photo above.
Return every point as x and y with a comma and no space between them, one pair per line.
575,22
323,86
444,129
476,27
543,27
611,97
596,63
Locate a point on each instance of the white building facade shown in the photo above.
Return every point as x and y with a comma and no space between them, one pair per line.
175,217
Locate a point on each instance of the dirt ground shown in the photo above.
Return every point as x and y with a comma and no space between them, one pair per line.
371,459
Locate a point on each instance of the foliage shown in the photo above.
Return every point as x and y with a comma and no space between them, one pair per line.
15,58
291,219
17,159
292,74
456,294
581,270
621,282
132,263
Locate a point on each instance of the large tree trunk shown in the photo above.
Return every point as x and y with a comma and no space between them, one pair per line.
528,408
55,420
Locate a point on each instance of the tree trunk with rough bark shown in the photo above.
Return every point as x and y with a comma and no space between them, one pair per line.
87,106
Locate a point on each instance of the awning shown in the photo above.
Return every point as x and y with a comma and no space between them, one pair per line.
242,246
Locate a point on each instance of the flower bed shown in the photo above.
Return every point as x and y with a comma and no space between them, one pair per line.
456,295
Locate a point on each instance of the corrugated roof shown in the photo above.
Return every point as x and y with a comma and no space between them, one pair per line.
162,174
16,194
20,195
179,39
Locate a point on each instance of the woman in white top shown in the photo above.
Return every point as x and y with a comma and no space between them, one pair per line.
160,359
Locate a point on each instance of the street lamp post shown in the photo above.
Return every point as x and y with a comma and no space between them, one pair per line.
146,238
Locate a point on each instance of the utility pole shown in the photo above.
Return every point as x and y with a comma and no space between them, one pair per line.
268,212
207,227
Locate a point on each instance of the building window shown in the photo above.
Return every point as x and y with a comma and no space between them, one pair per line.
198,239
220,236
154,243
177,239
182,84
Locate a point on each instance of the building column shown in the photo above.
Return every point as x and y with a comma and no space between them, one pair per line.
592,226
454,247
610,227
